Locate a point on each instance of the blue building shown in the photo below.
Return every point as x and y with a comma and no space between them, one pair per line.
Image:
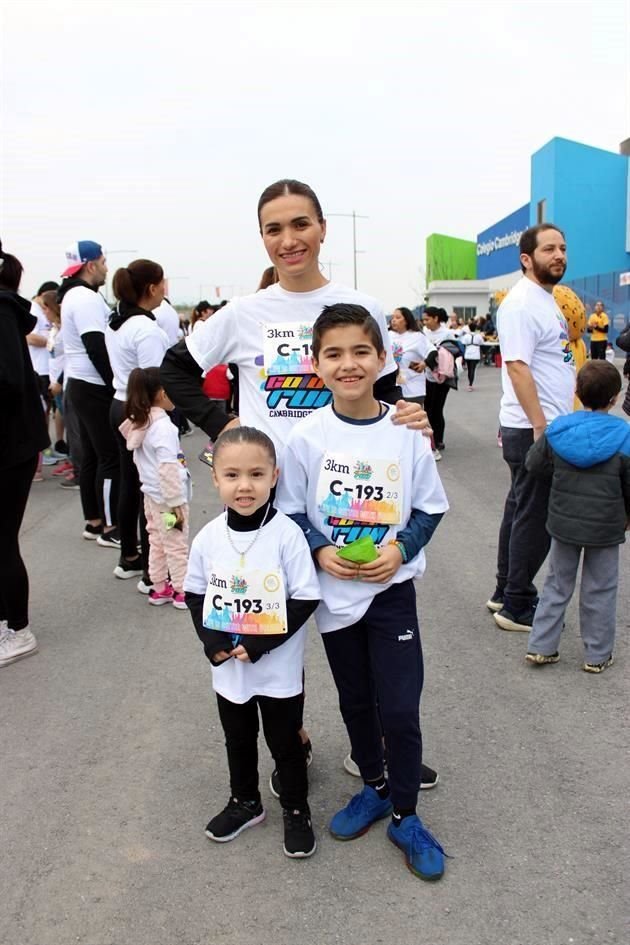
586,192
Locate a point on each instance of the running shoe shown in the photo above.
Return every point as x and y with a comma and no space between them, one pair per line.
145,584
62,468
598,667
423,854
16,645
540,659
359,814
428,777
509,621
109,539
299,839
178,600
128,569
495,603
91,532
165,596
234,818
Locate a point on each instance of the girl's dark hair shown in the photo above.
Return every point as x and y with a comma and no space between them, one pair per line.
142,387
269,277
198,310
410,322
11,270
245,435
287,186
132,282
434,312
344,315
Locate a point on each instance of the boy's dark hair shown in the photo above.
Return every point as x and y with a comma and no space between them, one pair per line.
529,239
142,387
343,314
597,383
245,435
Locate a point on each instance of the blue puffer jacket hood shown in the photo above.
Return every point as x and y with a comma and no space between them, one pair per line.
585,438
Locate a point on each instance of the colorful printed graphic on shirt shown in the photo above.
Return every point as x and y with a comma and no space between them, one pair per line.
287,348
565,341
247,602
360,490
397,352
344,531
181,459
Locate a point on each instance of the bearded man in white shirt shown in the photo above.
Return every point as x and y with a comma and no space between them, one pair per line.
538,378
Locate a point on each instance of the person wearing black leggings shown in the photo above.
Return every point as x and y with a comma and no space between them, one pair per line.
84,314
434,320
134,340
23,435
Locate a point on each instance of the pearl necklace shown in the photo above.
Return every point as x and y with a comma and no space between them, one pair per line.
245,551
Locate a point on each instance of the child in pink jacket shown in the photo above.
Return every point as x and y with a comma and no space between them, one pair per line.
165,483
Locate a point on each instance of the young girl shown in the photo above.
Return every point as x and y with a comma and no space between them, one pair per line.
165,482
250,588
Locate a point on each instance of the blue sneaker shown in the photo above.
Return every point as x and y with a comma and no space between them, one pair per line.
423,854
357,817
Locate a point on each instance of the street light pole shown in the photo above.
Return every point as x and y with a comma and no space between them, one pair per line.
355,216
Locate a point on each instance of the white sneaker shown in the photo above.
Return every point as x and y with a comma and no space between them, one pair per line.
14,646
437,456
351,766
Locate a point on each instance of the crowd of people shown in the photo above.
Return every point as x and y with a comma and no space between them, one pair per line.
336,397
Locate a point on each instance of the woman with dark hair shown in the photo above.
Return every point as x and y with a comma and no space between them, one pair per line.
134,340
201,312
434,320
410,348
23,435
268,334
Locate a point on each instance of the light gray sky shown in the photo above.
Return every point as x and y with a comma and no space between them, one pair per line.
154,126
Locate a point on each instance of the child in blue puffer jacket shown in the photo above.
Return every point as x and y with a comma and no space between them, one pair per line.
587,455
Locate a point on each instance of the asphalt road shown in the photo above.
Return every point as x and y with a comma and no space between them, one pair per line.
111,761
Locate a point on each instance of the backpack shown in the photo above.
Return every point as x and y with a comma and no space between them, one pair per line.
445,367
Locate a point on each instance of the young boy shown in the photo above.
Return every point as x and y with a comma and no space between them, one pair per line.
348,472
587,456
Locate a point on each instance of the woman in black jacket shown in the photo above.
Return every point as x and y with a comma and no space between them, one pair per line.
623,342
23,435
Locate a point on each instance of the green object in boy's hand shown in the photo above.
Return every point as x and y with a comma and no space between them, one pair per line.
361,551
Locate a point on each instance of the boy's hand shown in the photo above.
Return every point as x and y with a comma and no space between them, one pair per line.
178,512
221,656
412,416
384,568
240,653
330,562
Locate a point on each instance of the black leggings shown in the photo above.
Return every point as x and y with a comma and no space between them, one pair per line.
130,500
15,485
471,367
434,406
281,721
100,463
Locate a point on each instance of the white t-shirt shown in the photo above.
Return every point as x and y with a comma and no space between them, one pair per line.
410,346
281,546
82,311
473,342
168,320
40,356
57,360
161,445
139,342
532,329
333,460
268,335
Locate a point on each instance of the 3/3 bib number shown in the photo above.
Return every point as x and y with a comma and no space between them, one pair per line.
251,601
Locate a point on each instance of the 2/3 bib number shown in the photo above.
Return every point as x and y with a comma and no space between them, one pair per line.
361,490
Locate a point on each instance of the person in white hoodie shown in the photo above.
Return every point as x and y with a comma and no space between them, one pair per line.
165,483
134,339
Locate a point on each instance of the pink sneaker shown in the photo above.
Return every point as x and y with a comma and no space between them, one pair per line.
179,600
164,596
62,468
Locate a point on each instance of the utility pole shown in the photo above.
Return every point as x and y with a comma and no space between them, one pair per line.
330,264
355,216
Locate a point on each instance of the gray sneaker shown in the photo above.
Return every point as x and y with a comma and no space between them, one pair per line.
15,646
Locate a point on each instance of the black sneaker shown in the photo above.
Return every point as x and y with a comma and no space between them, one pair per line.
274,780
110,539
299,839
233,819
91,532
495,603
145,584
428,778
509,621
126,569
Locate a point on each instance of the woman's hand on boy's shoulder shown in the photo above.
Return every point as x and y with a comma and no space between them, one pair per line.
412,416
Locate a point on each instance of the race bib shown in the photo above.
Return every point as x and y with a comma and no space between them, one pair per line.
287,348
361,490
245,601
